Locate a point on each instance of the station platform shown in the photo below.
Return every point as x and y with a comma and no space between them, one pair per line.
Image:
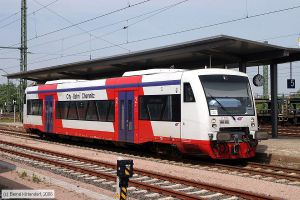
284,150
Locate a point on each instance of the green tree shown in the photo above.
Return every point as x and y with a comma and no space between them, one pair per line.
8,93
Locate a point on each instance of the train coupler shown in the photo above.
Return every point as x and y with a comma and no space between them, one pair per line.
236,147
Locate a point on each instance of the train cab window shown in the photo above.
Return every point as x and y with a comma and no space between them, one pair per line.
188,95
159,107
34,107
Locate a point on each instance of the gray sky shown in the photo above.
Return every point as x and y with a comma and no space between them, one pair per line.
153,18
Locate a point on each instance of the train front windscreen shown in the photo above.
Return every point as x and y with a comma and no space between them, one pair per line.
227,95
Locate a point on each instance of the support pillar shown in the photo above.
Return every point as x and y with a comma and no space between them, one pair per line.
266,82
274,103
242,67
23,58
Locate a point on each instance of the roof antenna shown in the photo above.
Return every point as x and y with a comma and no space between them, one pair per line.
172,67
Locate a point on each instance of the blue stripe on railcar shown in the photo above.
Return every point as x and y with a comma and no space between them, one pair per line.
146,84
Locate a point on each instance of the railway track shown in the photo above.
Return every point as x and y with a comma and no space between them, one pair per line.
293,131
145,184
252,170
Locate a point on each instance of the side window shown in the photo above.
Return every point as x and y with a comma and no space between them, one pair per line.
106,110
92,114
28,107
72,114
40,107
62,108
176,108
188,95
58,109
111,113
34,107
82,108
160,107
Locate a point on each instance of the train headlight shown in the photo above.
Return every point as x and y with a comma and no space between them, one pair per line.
213,121
252,124
222,137
260,135
252,120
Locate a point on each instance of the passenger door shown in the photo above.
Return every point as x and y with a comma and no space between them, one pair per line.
126,116
48,114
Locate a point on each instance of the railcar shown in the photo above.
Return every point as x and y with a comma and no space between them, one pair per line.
288,110
204,111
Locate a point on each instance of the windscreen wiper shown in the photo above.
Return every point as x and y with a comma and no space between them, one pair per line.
221,105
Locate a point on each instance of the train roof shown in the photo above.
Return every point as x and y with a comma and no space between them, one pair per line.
216,51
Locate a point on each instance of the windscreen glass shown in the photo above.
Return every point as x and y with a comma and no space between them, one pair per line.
227,94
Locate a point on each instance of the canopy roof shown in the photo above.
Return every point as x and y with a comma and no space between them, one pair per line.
216,51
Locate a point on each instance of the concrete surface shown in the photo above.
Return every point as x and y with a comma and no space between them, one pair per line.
285,150
54,181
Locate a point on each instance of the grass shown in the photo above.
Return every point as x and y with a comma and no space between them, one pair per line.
22,174
8,120
36,179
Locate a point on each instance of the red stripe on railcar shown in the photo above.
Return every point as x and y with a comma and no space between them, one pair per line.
142,130
86,133
42,95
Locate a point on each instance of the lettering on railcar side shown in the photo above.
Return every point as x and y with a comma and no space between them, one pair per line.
80,96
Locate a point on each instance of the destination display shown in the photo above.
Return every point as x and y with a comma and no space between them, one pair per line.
82,95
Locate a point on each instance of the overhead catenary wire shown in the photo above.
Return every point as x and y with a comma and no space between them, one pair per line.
85,21
1,27
129,25
281,36
3,53
182,31
10,58
153,13
8,17
102,27
35,11
78,27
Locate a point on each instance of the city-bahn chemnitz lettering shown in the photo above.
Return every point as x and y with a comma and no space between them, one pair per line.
79,96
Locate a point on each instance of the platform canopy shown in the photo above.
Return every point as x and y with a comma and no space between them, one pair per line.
218,51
